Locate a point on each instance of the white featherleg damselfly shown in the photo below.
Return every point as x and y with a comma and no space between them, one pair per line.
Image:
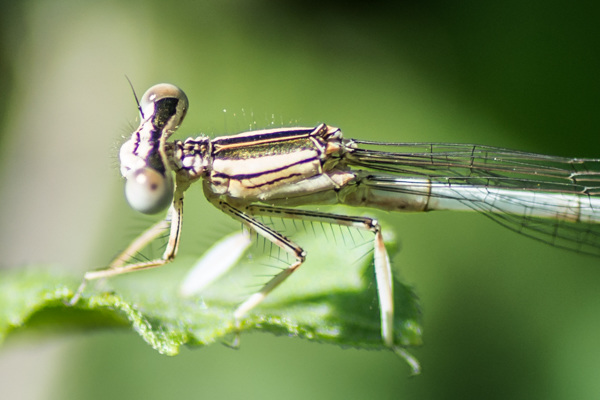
272,172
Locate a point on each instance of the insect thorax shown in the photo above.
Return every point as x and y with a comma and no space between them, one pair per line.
190,157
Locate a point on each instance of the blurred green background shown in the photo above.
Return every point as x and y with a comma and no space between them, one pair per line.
504,316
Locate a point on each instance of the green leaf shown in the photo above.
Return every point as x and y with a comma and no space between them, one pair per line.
332,298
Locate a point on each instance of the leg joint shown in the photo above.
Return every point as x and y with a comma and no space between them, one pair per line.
373,225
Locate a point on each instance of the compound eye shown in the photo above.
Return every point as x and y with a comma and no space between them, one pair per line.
165,104
148,191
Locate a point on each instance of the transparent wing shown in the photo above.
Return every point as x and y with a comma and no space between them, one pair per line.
510,187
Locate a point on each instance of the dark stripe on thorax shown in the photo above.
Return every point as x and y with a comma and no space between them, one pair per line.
264,136
250,176
268,183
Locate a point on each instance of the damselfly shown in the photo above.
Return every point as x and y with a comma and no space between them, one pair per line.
272,172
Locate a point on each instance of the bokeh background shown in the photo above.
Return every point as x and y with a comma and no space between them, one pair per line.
504,316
